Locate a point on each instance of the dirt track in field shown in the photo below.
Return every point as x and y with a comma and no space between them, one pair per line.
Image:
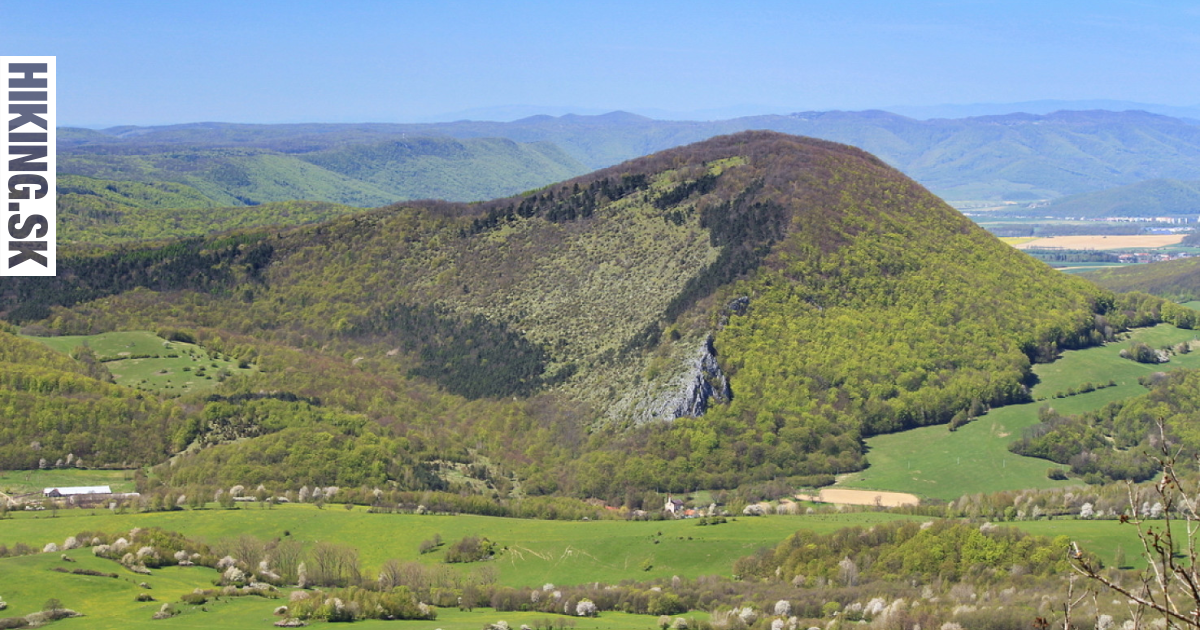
1103,242
862,497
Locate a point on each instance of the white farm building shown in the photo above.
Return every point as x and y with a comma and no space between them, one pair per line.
75,491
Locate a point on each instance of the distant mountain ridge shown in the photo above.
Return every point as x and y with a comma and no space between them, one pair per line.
1006,157
926,112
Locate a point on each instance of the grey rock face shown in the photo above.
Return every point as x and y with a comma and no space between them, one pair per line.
705,383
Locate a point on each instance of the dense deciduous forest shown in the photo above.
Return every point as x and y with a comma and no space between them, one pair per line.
1174,279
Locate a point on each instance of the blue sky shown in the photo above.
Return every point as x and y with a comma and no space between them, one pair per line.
159,62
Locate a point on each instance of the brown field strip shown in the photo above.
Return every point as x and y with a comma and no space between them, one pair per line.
861,497
1148,241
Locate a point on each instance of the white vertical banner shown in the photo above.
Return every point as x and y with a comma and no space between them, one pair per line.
27,166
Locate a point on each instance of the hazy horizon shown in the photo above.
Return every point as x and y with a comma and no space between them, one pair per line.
149,63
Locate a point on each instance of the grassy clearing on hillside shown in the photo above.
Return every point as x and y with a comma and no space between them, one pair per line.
1099,537
933,462
562,552
33,582
24,481
165,367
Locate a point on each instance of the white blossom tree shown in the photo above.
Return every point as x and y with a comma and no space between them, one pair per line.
585,608
848,572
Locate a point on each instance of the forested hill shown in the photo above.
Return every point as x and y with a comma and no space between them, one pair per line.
1152,198
778,296
1177,280
357,171
1013,157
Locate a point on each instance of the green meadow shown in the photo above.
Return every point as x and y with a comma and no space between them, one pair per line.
143,360
109,603
935,462
535,552
25,481
562,552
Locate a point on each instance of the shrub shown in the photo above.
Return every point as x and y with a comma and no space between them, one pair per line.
194,598
470,549
1141,353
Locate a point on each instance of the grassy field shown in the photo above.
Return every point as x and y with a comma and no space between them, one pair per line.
560,552
933,462
1139,241
109,603
566,552
1017,240
24,481
1067,267
165,367
537,552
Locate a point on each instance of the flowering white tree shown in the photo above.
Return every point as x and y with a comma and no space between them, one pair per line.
233,575
848,572
1086,511
585,608
783,608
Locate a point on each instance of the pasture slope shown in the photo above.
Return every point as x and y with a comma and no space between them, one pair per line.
142,360
537,552
562,552
935,462
109,604
27,481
